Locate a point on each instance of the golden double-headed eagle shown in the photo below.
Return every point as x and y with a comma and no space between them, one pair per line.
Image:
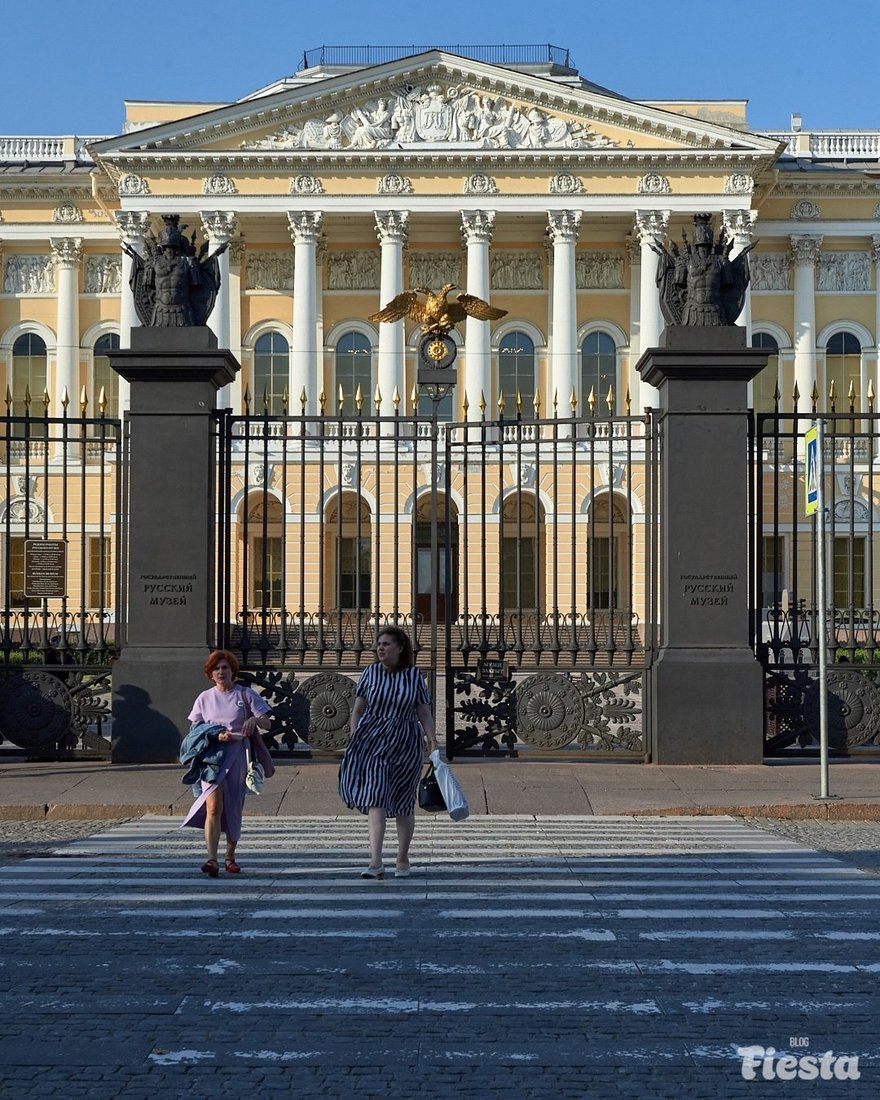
435,314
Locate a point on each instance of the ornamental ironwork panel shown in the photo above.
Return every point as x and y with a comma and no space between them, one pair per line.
55,713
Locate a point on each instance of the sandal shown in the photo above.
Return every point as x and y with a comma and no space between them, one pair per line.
210,868
373,872
232,868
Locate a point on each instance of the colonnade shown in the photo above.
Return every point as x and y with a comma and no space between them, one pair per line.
477,228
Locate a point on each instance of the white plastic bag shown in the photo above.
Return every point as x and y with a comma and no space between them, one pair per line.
453,795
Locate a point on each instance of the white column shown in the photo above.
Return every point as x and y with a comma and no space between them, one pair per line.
305,230
391,231
320,256
634,250
805,250
739,225
236,248
649,228
131,225
67,252
219,225
563,232
476,228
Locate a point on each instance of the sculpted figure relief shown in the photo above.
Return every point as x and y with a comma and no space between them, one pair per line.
173,285
699,283
434,115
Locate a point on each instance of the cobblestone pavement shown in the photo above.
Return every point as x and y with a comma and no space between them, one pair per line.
524,957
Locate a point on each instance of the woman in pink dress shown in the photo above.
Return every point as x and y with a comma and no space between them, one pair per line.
242,713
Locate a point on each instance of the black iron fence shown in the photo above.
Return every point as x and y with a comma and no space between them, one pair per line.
786,618
60,570
516,552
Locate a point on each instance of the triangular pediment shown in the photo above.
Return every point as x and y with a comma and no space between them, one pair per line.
440,103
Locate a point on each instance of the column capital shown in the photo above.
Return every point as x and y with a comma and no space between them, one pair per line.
740,225
66,251
562,226
132,224
219,225
649,226
391,226
305,226
477,226
805,249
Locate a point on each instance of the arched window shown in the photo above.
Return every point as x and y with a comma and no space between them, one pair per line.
104,377
348,551
271,374
598,371
265,552
843,365
516,374
354,367
764,385
29,376
522,554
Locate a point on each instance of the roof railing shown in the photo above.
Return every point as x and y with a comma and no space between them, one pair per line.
540,54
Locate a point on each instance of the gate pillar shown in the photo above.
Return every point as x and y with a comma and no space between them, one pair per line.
171,462
704,686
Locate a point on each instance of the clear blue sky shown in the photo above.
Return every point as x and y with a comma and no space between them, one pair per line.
67,67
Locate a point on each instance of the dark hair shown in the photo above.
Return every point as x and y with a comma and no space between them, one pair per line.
221,655
407,660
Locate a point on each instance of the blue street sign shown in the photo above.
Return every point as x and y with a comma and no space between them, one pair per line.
811,471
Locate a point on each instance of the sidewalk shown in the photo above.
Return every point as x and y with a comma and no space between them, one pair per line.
98,790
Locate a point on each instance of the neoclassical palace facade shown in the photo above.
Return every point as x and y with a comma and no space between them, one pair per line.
367,172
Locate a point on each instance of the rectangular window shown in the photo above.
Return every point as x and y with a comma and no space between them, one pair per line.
602,572
353,572
266,559
15,575
849,572
519,585
772,569
100,583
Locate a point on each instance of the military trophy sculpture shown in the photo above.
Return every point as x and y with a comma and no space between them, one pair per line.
437,316
174,286
700,285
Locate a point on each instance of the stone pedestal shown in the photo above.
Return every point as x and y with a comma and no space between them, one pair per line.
174,376
705,686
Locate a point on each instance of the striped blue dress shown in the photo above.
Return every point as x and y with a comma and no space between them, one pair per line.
383,760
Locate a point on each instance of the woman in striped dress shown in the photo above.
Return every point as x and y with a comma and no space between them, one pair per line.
380,771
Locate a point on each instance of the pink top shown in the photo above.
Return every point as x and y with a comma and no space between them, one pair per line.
228,708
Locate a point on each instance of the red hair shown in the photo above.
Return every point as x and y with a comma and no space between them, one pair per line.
221,655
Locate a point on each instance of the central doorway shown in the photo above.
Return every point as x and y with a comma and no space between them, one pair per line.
434,557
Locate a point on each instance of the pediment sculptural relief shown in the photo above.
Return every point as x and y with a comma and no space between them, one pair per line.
433,115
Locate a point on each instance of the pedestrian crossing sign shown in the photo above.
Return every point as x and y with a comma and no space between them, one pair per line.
811,471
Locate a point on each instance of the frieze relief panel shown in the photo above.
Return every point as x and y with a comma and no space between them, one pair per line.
434,269
517,270
598,270
269,271
842,271
436,114
28,274
770,270
102,274
353,270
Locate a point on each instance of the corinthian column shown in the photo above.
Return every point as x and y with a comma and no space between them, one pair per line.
391,231
131,225
563,232
236,250
805,250
67,252
875,256
649,228
476,229
219,226
305,230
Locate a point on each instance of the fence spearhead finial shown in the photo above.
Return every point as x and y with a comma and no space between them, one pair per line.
395,399
247,399
102,401
303,400
851,395
795,395
609,399
832,394
536,401
8,399
870,395
65,398
83,401
377,399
